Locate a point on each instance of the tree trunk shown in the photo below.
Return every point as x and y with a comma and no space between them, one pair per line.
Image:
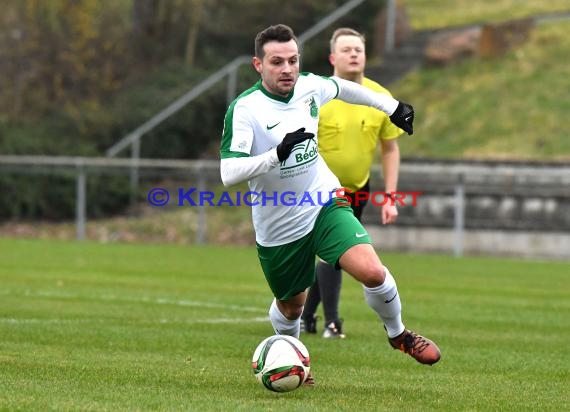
196,13
145,14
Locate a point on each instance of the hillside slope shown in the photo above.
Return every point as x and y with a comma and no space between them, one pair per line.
505,108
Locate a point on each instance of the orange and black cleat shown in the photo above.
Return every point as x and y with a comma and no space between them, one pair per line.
418,347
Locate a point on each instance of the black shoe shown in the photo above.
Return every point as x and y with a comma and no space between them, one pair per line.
334,330
309,324
310,381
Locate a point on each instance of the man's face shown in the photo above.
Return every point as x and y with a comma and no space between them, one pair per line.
349,56
279,68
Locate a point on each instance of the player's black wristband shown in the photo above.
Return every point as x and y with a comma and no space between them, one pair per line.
390,195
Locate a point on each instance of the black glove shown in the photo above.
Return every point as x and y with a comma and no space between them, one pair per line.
285,148
403,117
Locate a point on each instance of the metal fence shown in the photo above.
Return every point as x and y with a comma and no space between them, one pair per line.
458,186
80,167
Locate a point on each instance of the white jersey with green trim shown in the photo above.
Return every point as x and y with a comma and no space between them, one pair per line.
288,198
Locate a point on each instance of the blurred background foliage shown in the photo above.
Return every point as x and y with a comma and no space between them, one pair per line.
78,75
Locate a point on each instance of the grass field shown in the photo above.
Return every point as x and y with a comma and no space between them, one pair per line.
86,326
440,13
493,108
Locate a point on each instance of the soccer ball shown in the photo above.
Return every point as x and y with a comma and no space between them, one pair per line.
281,363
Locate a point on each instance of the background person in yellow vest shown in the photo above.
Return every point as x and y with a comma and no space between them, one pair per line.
348,137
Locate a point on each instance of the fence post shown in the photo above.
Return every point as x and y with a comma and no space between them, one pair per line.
390,26
459,215
80,201
134,175
202,223
232,85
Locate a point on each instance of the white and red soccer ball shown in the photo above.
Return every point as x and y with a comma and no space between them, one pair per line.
281,363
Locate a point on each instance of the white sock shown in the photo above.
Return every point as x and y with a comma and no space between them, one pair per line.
282,325
385,301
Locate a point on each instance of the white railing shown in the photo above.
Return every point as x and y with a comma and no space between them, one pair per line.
457,180
83,166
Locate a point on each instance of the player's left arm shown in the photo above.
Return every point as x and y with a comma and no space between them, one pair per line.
400,113
390,171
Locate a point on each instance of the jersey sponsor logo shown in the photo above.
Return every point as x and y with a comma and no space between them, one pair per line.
359,235
305,154
273,126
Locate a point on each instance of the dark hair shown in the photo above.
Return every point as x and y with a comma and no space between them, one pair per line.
280,33
344,31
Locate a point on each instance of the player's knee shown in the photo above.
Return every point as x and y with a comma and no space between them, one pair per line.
291,312
294,313
373,276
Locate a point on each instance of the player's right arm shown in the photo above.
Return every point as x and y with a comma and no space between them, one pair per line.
234,170
237,164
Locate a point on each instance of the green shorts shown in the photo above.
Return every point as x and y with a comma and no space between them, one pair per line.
290,269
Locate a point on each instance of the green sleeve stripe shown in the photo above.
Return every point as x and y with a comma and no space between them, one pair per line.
230,155
336,84
227,134
228,130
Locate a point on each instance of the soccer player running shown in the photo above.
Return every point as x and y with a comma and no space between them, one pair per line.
348,136
269,140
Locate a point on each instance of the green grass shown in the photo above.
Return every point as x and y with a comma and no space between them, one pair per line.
428,14
508,107
86,326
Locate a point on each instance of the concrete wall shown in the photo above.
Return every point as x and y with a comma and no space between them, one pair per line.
519,244
510,209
